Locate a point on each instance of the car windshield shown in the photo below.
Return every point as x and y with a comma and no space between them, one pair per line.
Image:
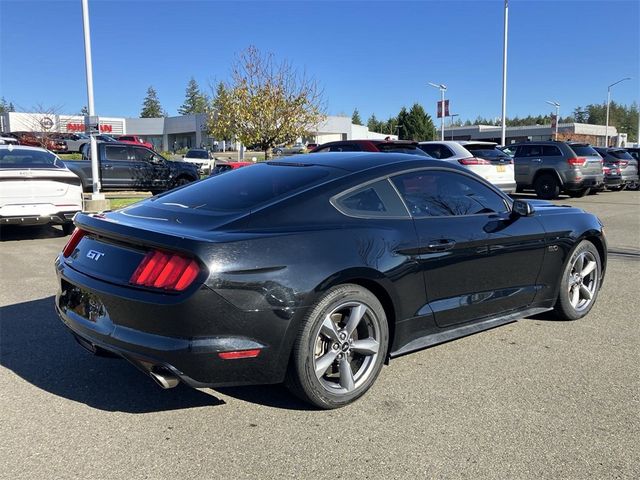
621,154
197,154
246,188
23,158
584,150
399,148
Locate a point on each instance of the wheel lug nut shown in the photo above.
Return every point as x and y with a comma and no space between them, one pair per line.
336,346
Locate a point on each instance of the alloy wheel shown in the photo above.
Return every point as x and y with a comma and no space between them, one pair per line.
346,347
583,281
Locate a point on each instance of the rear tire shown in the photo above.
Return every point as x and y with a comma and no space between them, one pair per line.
340,349
547,187
580,282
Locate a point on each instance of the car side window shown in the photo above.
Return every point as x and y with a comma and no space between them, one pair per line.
325,149
116,152
437,193
551,151
347,147
378,199
142,154
436,150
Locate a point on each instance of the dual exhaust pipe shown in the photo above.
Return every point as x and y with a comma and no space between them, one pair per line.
164,377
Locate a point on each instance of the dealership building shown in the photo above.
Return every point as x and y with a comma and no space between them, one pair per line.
580,132
169,133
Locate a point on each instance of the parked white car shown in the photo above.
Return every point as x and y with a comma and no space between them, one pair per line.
199,157
8,140
36,188
482,158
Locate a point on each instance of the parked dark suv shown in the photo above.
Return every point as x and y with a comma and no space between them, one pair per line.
553,167
128,167
621,159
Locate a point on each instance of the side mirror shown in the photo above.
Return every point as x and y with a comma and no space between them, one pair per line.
522,208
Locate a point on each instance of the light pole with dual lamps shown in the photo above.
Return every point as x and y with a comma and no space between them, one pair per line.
606,135
557,105
442,88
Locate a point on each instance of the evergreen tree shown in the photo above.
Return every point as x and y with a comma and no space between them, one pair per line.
417,124
373,124
194,100
355,117
151,107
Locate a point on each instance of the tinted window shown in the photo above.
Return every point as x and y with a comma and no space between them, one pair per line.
247,188
436,150
395,148
551,151
325,149
529,151
145,155
20,158
125,138
432,193
114,152
584,150
197,154
345,147
378,199
620,154
221,169
486,153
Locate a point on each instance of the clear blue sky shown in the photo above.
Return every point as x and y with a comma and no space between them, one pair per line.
376,56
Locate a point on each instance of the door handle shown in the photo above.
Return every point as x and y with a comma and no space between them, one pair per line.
138,166
440,245
537,160
107,166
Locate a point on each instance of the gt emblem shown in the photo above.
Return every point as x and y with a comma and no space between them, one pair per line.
94,255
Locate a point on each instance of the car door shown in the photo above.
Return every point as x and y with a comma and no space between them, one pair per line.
527,161
151,169
477,259
115,167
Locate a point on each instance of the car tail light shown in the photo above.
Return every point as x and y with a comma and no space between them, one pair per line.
577,161
623,164
474,161
73,242
168,271
239,354
606,170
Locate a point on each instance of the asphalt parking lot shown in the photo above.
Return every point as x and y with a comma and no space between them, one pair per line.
533,399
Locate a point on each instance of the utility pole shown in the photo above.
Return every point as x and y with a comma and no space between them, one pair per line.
606,135
97,198
504,72
442,88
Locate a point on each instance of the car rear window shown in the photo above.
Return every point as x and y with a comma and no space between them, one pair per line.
22,158
621,154
584,150
395,148
247,188
488,153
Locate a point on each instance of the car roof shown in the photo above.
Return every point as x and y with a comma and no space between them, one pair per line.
373,141
476,142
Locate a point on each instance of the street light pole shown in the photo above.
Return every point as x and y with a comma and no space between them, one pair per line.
443,88
504,72
95,168
557,105
451,124
606,134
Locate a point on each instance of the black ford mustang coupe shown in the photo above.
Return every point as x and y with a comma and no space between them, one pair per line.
316,271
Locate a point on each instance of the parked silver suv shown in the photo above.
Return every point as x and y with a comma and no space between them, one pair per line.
553,167
621,159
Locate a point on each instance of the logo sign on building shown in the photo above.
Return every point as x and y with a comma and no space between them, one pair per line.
46,123
440,109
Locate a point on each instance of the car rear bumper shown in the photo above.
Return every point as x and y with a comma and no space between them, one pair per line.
507,187
58,218
104,317
595,182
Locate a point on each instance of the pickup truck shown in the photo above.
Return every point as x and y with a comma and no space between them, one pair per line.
128,167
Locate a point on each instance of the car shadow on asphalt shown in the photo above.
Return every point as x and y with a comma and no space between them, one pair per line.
276,396
37,347
10,233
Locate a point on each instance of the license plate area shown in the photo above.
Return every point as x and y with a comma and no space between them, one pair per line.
501,168
84,304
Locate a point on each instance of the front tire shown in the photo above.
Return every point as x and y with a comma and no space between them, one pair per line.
580,282
340,349
547,187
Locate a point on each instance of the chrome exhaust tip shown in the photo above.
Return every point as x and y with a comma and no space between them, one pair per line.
164,377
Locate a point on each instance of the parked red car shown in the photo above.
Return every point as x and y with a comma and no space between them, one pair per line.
135,140
388,146
43,140
222,167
